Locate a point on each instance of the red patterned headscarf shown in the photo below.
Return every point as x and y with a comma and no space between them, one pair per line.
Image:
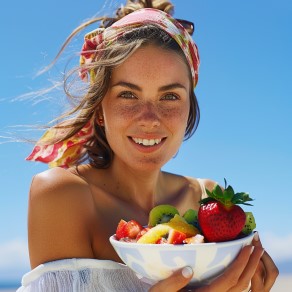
67,152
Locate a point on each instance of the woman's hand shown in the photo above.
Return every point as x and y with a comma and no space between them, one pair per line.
238,275
175,282
252,266
266,272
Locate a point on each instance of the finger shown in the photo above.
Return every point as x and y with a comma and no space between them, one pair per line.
175,282
232,274
257,281
256,240
249,271
270,268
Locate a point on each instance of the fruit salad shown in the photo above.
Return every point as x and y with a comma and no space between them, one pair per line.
219,218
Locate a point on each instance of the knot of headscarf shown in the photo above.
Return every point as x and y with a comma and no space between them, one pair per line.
67,152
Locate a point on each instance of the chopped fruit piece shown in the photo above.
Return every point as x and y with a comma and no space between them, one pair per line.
250,223
119,231
142,232
191,216
179,223
175,237
154,234
127,239
161,240
128,229
198,238
161,214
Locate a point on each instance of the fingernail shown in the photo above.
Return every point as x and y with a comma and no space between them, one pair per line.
187,272
256,236
251,250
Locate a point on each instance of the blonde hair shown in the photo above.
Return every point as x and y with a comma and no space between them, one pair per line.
88,106
132,6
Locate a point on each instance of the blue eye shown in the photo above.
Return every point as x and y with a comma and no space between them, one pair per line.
127,95
170,96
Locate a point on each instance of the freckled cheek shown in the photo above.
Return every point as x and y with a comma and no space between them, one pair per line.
175,118
174,114
164,113
125,112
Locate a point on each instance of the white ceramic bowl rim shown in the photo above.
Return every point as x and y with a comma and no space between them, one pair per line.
180,246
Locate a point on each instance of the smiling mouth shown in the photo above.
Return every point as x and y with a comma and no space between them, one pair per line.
146,142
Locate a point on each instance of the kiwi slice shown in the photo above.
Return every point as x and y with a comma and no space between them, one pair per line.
161,214
191,216
250,223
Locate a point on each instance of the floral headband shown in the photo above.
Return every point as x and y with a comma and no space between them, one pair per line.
103,37
66,153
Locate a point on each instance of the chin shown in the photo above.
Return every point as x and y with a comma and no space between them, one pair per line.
150,164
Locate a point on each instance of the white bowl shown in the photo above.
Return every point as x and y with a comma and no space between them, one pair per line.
157,261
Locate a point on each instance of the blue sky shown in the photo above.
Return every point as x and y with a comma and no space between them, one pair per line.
244,93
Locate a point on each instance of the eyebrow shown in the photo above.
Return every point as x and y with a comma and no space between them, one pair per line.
138,88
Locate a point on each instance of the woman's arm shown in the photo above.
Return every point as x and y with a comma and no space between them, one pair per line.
60,208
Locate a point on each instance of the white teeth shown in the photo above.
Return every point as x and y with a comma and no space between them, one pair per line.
146,142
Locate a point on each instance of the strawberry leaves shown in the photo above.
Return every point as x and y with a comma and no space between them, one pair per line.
227,196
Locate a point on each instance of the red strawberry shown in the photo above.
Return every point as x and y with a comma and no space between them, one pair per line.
176,237
219,217
119,231
128,229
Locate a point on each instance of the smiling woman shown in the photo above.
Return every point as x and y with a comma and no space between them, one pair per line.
107,152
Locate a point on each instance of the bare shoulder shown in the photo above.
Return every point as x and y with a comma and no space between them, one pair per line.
205,182
60,209
58,185
193,183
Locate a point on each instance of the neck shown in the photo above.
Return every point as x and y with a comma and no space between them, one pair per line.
138,187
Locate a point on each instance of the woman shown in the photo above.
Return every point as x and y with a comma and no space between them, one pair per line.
137,108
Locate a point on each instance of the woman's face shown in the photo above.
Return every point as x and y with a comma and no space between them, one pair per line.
146,108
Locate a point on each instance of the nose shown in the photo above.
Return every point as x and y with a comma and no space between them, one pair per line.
148,117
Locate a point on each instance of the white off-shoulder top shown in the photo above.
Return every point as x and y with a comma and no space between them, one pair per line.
82,275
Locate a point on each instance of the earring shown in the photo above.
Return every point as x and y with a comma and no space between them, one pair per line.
100,121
